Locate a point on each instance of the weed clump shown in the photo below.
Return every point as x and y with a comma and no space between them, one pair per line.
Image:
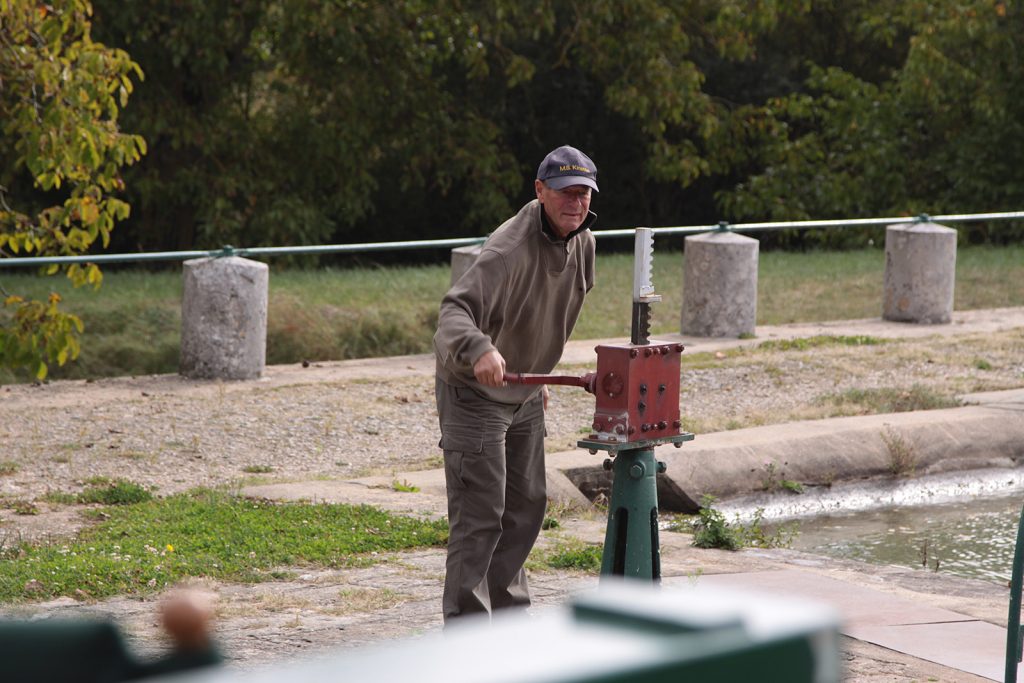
404,486
902,453
20,506
575,554
712,530
775,480
120,492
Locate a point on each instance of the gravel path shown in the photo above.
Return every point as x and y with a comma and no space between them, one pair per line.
359,418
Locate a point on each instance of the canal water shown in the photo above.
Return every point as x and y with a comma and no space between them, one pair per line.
963,524
971,538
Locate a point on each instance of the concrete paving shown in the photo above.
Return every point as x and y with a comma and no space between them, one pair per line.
989,433
938,635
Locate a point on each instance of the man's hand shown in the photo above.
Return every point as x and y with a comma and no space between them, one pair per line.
547,396
489,370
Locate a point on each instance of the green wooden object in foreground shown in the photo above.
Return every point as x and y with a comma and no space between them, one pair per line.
65,651
627,631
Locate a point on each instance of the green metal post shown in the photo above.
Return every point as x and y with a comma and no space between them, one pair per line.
1014,635
631,542
631,545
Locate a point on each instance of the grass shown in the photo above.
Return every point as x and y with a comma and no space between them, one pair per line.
805,343
574,554
102,491
115,493
148,546
59,497
133,321
890,400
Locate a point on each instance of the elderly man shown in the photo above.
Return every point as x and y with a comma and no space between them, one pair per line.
513,310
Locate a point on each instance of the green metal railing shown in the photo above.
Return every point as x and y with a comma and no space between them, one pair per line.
1014,635
469,241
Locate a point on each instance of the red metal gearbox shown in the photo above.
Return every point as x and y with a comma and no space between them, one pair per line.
637,391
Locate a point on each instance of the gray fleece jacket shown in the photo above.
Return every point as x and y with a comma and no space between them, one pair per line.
522,297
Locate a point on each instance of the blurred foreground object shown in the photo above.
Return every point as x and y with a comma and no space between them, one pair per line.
86,651
628,630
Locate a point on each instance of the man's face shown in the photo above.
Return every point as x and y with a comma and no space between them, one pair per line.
567,208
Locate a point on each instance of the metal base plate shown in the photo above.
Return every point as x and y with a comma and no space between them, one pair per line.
614,447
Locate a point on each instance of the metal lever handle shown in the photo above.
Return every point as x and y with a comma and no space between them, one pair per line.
586,381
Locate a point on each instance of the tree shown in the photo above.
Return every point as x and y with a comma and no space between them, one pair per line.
290,122
943,132
60,95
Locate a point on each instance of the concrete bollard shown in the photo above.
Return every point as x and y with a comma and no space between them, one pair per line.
719,285
920,273
224,318
462,259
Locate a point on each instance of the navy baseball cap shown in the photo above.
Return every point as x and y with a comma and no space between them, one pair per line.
567,166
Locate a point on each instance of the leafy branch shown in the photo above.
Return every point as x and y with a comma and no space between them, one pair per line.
60,100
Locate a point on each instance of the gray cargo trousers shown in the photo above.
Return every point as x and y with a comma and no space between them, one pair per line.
494,469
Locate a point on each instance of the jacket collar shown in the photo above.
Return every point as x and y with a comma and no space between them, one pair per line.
549,231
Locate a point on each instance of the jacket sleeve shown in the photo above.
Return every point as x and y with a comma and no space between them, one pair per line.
469,311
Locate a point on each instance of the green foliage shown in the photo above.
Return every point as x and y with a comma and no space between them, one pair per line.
287,122
791,486
120,492
712,530
148,546
574,554
404,486
758,534
941,132
775,479
59,103
38,333
290,122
